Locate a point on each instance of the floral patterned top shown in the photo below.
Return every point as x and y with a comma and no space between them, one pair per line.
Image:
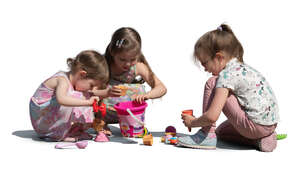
252,91
126,79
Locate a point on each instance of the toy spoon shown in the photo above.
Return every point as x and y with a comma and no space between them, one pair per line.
80,145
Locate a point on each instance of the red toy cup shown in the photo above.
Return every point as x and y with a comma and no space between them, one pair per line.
188,112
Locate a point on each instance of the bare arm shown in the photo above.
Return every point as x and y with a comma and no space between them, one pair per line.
158,89
101,93
212,114
64,99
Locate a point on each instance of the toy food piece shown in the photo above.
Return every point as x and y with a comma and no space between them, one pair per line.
101,137
188,112
173,140
163,139
167,139
281,136
170,129
148,140
123,89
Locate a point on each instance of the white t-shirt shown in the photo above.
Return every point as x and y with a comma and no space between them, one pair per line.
252,90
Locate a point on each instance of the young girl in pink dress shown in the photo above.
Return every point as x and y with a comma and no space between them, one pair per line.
60,109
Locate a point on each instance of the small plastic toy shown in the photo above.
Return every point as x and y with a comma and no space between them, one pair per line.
188,112
101,137
170,136
80,145
171,130
167,139
281,136
98,122
101,108
148,140
173,140
123,89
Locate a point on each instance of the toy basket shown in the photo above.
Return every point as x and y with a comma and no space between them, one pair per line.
131,118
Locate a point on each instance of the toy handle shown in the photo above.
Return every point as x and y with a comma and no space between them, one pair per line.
135,118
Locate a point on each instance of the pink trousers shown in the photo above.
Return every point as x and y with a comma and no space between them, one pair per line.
237,128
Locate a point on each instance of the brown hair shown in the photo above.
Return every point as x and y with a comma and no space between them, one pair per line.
221,39
127,39
93,63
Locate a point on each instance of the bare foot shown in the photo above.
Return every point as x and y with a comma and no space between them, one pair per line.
85,136
70,139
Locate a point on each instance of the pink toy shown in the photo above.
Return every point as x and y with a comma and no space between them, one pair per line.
101,137
131,118
80,145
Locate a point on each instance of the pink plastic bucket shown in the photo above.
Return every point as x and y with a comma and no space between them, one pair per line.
128,125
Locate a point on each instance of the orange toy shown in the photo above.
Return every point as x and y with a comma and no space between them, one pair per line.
123,89
148,140
188,112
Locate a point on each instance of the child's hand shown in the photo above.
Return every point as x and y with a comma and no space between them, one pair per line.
114,91
92,99
93,91
187,120
141,97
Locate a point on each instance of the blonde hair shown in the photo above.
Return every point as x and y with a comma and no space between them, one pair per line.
127,39
93,63
221,39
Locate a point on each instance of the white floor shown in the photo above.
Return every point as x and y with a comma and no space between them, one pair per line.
38,36
27,151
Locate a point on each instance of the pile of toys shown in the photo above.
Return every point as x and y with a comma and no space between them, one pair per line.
170,136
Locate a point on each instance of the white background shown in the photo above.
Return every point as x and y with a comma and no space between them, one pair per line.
36,38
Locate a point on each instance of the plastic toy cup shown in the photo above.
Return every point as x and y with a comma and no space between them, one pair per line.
188,112
123,89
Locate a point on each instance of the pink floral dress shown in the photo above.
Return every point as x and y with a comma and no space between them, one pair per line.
126,79
53,121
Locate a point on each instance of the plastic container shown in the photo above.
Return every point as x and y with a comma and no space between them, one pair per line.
129,125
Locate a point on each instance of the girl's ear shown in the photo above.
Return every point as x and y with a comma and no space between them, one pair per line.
220,55
82,74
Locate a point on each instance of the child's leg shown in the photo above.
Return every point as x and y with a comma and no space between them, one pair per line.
205,138
209,92
239,128
77,132
227,132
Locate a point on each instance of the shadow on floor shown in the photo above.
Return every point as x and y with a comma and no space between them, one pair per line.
118,138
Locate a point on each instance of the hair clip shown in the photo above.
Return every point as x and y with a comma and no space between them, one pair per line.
220,28
119,43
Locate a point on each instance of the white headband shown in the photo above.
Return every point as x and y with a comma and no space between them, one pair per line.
220,28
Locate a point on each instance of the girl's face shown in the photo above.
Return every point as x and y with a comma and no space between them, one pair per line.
214,66
123,61
83,84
